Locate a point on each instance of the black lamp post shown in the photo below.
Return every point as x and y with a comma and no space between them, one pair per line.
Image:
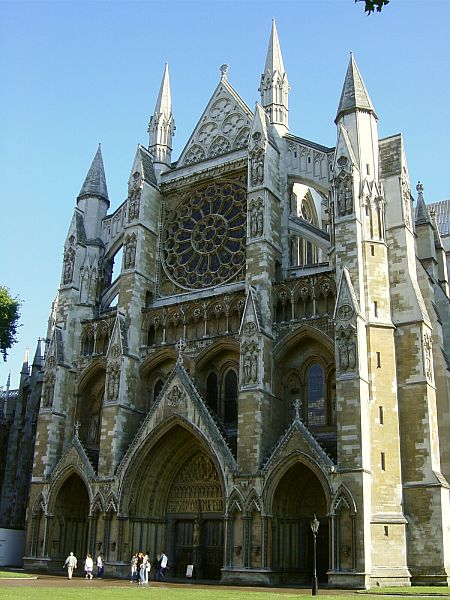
315,528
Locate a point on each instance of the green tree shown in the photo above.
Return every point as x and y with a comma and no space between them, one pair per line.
373,5
9,320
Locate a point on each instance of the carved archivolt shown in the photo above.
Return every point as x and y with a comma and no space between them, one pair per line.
197,488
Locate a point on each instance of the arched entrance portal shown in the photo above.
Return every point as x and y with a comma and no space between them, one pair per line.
70,524
179,506
299,495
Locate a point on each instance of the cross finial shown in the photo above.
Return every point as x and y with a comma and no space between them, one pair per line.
77,427
181,347
224,71
419,187
297,407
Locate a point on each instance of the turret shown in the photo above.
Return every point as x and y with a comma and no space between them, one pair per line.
93,198
161,127
357,116
274,87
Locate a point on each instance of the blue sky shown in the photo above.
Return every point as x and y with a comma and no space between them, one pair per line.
74,74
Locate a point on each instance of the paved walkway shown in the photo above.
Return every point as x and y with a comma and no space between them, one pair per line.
56,581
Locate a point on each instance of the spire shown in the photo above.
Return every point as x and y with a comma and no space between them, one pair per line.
274,87
162,125
422,214
354,93
38,360
95,183
25,363
164,102
274,60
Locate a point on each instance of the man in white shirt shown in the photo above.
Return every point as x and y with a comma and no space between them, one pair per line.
71,564
162,566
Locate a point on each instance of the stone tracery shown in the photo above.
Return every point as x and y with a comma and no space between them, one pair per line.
204,237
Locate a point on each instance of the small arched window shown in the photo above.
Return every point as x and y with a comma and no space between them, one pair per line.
151,336
230,398
315,395
157,389
87,347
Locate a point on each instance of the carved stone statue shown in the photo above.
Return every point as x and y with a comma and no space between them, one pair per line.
130,251
134,195
69,261
257,166
113,382
347,351
49,389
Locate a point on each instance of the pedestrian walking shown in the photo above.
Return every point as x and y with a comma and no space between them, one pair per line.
88,566
163,560
100,566
134,568
71,564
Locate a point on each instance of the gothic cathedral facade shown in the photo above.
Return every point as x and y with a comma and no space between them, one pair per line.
271,350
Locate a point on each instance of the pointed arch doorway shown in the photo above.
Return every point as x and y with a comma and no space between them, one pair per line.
177,505
70,523
298,496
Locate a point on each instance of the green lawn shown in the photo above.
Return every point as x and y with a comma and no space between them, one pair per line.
13,574
429,590
134,593
63,589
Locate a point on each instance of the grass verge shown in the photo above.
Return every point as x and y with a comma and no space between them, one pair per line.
14,575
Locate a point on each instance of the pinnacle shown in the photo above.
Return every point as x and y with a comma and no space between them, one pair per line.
274,60
422,213
354,93
95,182
164,102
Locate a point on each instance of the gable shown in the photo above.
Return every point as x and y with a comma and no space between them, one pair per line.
223,127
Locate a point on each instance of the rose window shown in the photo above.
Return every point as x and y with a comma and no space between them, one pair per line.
204,237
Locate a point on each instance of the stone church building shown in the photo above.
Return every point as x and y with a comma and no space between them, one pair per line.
271,349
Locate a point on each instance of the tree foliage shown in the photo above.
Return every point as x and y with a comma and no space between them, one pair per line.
9,320
373,5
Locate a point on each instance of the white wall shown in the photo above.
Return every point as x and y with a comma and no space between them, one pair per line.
12,545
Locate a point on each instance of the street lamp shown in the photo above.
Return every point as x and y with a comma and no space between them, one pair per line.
314,528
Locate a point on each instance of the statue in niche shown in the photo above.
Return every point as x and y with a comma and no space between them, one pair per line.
345,197
427,344
250,364
113,382
134,195
256,219
257,166
130,251
69,261
347,351
49,389
196,533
